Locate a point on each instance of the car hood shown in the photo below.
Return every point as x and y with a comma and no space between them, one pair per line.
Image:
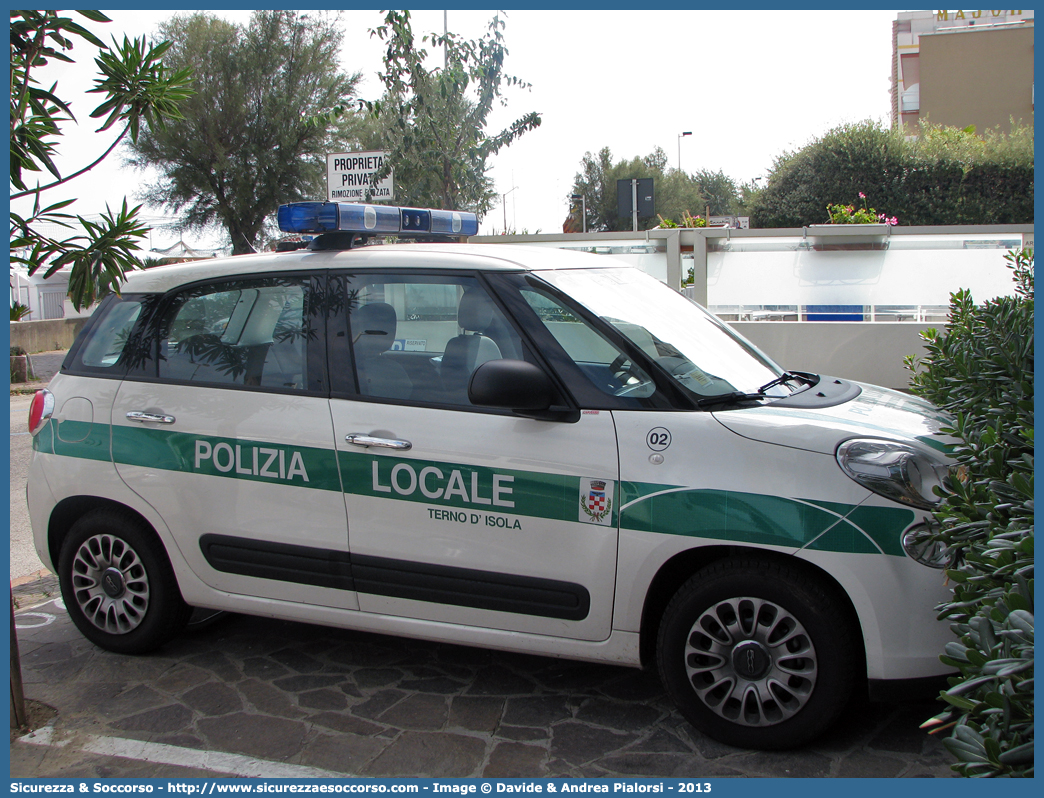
874,412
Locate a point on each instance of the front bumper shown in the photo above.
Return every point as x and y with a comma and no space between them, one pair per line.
923,687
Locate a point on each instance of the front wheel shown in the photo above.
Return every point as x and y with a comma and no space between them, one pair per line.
117,584
757,654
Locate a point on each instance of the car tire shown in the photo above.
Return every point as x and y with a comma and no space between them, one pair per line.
758,654
118,585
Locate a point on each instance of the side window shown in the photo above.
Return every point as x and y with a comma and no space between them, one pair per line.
608,368
110,335
115,339
419,338
250,333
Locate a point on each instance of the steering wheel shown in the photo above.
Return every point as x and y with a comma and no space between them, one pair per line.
624,369
616,368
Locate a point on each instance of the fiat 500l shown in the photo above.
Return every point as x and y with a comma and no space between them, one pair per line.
518,448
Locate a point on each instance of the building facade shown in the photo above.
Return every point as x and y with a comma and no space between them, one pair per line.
962,68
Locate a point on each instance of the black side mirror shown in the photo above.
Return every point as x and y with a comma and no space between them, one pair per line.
520,387
512,384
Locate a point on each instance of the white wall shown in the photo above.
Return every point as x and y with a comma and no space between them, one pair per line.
855,350
860,277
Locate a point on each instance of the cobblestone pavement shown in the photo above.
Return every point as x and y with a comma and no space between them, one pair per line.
252,696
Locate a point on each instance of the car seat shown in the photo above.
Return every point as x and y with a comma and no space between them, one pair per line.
373,333
468,351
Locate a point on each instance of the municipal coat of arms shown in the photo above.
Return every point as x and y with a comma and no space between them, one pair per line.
596,501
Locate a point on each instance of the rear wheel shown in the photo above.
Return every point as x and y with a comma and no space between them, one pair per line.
117,584
757,654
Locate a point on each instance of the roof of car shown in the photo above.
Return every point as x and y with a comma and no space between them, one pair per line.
487,257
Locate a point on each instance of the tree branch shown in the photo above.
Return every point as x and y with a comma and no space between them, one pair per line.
101,158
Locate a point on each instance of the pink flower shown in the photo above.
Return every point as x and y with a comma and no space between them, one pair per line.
862,195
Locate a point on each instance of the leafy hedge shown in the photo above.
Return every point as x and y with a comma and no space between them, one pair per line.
981,370
945,177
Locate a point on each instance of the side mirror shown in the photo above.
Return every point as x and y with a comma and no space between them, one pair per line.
512,384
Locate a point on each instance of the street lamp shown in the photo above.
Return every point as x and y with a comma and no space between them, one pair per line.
583,204
503,205
680,137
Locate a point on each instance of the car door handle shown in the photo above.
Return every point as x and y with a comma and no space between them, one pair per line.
149,418
358,439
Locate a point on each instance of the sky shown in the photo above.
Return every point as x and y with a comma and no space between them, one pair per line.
748,85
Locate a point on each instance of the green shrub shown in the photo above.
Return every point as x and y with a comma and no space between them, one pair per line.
981,370
946,176
19,311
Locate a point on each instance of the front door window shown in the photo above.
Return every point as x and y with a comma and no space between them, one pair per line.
418,339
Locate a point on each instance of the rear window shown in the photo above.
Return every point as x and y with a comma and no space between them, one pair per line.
109,335
105,338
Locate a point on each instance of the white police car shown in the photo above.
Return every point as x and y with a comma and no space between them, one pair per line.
519,448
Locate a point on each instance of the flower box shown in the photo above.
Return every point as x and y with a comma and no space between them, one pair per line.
827,237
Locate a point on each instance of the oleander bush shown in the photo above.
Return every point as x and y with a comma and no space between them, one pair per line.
980,369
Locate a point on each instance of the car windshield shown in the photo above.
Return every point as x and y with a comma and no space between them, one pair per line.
704,355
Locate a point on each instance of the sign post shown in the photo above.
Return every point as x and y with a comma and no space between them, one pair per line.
350,177
634,198
634,205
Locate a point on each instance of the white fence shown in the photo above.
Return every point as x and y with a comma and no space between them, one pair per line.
843,300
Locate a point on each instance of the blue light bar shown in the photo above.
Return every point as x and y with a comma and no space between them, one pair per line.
307,217
416,220
367,218
456,223
348,217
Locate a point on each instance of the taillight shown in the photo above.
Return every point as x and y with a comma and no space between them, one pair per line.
40,410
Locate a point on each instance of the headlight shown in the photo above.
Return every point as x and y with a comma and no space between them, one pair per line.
894,470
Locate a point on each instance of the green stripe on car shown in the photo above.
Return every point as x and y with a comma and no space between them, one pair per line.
661,509
763,519
233,458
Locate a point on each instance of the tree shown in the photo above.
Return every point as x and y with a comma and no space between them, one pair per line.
245,143
433,121
719,192
140,95
747,197
944,177
674,192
